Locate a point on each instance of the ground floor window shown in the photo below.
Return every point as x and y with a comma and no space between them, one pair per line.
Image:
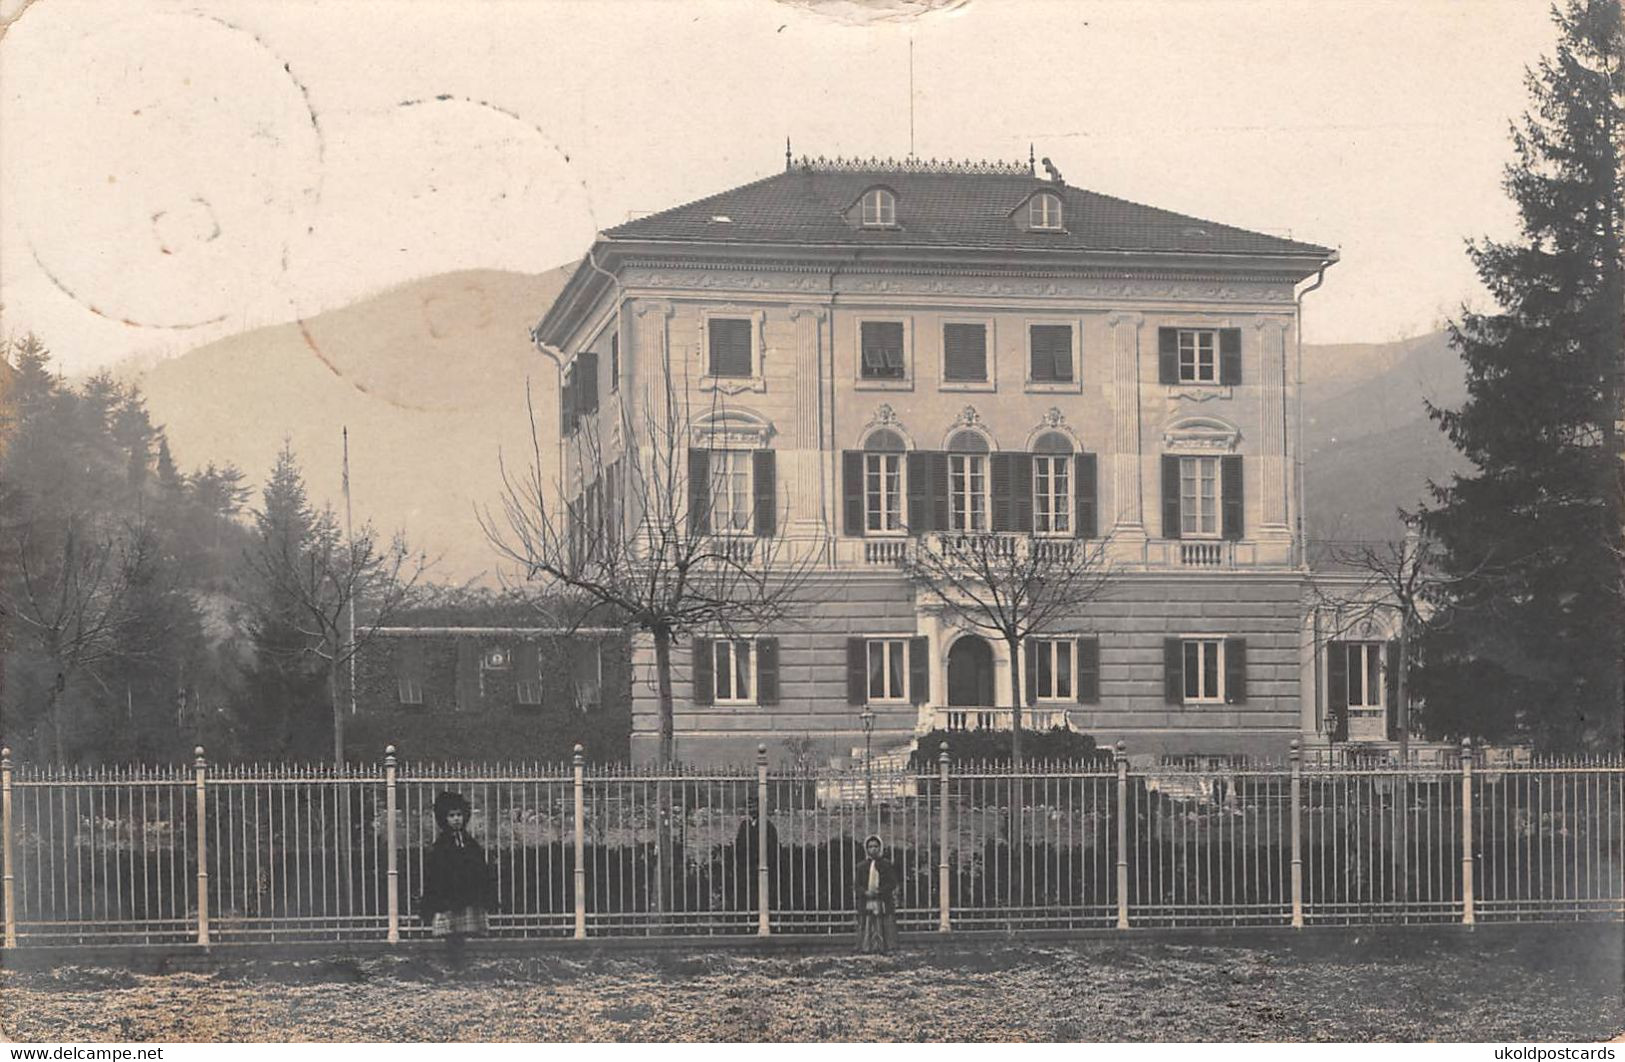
1364,674
1204,669
888,669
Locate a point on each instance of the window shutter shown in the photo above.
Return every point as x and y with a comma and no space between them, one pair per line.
1230,355
1337,690
882,353
1088,652
699,492
964,352
1029,662
1390,682
937,484
919,670
587,380
1230,488
1086,496
857,671
765,481
615,360
767,671
852,492
919,491
705,682
1235,671
999,490
468,675
1021,493
1051,347
729,340
1170,496
1168,356
1173,671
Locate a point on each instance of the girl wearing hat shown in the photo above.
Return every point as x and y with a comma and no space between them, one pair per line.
456,880
876,888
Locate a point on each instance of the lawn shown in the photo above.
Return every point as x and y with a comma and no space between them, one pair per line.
1558,986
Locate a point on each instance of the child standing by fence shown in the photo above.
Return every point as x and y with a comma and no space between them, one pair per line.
457,887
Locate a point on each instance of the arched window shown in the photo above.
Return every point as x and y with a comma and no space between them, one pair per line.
1044,211
1052,484
883,468
879,208
968,504
884,440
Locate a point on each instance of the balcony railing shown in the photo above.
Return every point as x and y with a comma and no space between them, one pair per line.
1213,554
1040,717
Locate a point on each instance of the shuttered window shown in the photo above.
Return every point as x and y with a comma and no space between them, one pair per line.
1206,670
730,342
409,670
1050,347
882,350
964,352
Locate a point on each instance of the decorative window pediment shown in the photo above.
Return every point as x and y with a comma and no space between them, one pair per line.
1201,435
732,429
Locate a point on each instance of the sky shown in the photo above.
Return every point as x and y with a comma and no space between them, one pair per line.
174,173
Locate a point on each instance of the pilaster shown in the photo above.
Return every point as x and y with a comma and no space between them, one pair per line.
1128,519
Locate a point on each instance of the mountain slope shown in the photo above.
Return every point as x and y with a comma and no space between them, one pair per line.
429,377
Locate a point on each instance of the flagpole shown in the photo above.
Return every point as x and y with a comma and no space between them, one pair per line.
349,534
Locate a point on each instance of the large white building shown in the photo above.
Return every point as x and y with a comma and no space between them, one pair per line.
889,350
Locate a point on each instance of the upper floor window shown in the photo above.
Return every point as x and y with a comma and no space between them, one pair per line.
879,208
1199,497
883,483
1050,353
1202,496
1199,356
967,482
729,339
1044,211
882,350
732,492
1052,485
964,353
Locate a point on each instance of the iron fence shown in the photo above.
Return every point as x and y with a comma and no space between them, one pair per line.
214,853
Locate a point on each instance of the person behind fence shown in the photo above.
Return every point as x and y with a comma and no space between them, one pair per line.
457,881
747,847
876,888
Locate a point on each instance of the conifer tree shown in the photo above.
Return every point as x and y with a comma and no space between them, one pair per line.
1527,643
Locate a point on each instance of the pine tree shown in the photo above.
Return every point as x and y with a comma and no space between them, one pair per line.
1528,643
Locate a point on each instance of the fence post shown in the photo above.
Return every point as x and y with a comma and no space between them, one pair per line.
763,928
1120,757
944,895
392,847
1467,914
200,769
1297,834
10,896
579,761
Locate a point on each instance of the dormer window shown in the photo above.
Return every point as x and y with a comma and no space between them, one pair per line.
879,209
1044,211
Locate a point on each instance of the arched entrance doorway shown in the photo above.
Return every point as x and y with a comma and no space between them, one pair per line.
970,683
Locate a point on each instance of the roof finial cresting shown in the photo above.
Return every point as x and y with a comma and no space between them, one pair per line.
788,162
1032,167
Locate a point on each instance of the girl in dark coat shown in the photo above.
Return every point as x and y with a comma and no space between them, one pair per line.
457,886
876,888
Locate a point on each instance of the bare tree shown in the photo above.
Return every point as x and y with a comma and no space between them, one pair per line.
72,597
660,537
1011,586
